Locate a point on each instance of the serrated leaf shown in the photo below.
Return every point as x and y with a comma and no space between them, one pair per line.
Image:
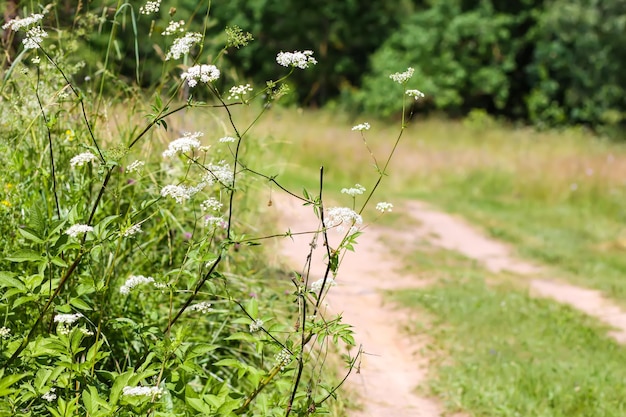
30,234
25,255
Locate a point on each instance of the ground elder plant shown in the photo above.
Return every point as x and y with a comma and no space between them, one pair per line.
130,282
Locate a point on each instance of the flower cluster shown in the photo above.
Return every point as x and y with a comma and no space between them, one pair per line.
82,159
228,139
297,59
358,189
417,94
283,358
180,193
237,92
317,285
174,27
220,172
50,395
361,127
384,206
5,332
182,46
67,318
34,37
215,221
256,325
342,218
135,166
17,23
133,281
402,77
211,204
142,391
203,73
150,7
78,229
202,307
184,144
132,230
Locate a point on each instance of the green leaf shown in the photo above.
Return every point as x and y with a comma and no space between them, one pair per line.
8,280
8,381
30,234
80,304
25,255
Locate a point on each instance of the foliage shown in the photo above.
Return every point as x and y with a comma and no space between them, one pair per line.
132,282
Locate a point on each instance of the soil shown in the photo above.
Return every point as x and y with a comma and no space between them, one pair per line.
393,370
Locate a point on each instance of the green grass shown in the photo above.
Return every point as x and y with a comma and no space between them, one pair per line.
498,352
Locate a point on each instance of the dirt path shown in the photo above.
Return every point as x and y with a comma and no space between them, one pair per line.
392,368
455,234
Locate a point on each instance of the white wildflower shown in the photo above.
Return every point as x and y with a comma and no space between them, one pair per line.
78,229
173,28
203,73
86,332
417,94
160,285
343,218
133,281
237,92
150,7
67,318
82,159
227,139
384,207
317,285
34,37
180,193
202,307
17,23
132,230
184,144
211,204
142,391
256,325
361,127
402,77
50,395
5,332
135,166
214,221
283,358
358,189
182,46
220,172
297,59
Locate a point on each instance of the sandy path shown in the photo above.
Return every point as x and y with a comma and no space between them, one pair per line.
391,368
455,234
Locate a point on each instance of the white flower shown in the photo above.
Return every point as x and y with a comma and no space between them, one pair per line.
82,159
283,358
297,59
174,27
50,395
203,73
343,218
361,127
317,285
135,166
221,172
132,230
384,206
239,91
150,7
358,189
67,318
180,193
256,325
86,332
17,23
78,229
212,204
402,77
184,144
5,332
182,46
417,94
202,307
142,391
215,221
227,139
133,281
34,37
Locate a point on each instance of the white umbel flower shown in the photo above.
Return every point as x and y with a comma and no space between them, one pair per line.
203,73
416,94
180,193
67,318
182,45
78,229
142,391
256,325
361,127
402,77
82,159
317,285
296,59
34,37
203,307
50,395
150,7
384,207
184,144
133,281
343,218
358,189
